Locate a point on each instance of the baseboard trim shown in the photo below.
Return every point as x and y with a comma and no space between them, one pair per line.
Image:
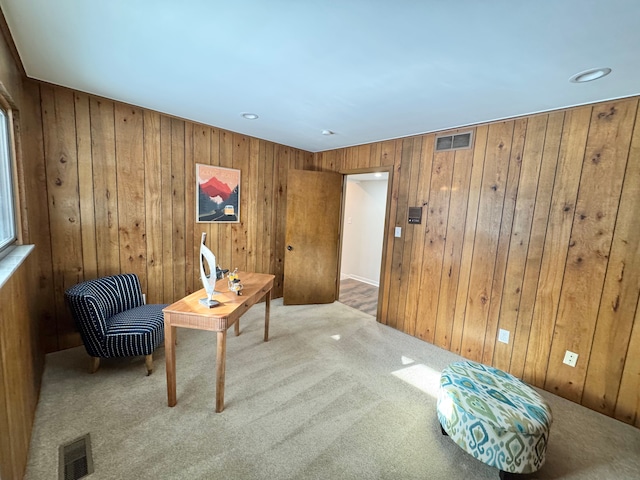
345,276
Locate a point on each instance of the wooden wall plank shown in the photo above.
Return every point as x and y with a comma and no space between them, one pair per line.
225,237
493,189
130,173
405,321
603,169
213,239
252,224
167,208
414,275
239,230
471,222
388,152
560,219
612,335
263,196
36,194
628,400
375,153
282,160
364,154
389,241
504,240
553,135
85,186
178,208
434,242
201,155
520,233
58,110
105,186
394,311
153,206
21,364
191,263
350,161
271,172
453,247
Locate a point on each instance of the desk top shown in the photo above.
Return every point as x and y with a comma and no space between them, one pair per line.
189,312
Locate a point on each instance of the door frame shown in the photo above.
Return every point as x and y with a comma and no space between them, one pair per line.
387,225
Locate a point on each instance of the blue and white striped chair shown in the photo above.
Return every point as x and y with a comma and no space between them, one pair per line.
113,319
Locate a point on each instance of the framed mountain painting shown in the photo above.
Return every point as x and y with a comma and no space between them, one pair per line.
217,195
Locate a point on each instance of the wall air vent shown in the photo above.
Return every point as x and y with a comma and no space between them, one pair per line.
453,142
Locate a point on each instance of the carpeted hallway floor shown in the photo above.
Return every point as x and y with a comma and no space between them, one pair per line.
332,395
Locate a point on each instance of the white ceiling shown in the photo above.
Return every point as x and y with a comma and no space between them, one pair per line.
368,70
368,177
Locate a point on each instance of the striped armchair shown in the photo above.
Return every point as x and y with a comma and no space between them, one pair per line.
113,319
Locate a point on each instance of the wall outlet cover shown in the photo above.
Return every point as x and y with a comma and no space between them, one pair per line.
503,336
570,358
398,232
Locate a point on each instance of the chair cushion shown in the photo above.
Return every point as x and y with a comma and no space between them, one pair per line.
138,331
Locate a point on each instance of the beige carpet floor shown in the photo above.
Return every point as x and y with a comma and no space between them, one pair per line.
332,395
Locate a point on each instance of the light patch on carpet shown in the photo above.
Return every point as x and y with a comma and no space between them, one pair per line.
406,360
421,377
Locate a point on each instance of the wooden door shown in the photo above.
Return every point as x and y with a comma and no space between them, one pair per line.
312,237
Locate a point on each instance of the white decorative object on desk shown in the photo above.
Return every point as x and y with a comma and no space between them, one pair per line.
208,282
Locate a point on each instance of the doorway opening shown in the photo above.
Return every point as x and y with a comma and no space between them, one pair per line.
363,228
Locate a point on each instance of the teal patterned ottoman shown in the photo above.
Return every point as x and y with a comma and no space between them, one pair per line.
493,416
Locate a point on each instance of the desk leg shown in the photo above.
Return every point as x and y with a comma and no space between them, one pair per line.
267,309
221,354
170,358
237,327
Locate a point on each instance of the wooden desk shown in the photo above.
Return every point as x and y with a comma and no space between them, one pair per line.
189,313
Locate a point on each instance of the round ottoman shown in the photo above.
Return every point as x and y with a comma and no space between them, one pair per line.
493,416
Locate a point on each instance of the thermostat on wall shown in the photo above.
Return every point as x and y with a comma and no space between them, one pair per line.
415,214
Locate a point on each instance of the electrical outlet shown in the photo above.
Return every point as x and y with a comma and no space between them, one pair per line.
570,358
398,232
503,336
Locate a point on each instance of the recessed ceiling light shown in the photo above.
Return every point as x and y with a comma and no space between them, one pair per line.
590,75
249,116
327,132
377,174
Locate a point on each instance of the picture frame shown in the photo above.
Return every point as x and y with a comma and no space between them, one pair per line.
217,194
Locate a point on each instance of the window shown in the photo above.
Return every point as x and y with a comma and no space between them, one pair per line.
7,209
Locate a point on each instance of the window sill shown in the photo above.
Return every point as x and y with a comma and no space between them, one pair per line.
10,262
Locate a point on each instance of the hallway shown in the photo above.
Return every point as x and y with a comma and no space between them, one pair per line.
359,295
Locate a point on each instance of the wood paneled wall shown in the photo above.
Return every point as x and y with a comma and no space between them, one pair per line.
532,230
21,363
116,193
21,359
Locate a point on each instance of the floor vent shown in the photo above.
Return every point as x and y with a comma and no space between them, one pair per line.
453,142
75,459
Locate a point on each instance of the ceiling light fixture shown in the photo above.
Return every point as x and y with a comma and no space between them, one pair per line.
377,174
590,75
250,116
327,132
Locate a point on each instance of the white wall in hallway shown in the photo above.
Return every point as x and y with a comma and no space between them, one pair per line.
363,229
